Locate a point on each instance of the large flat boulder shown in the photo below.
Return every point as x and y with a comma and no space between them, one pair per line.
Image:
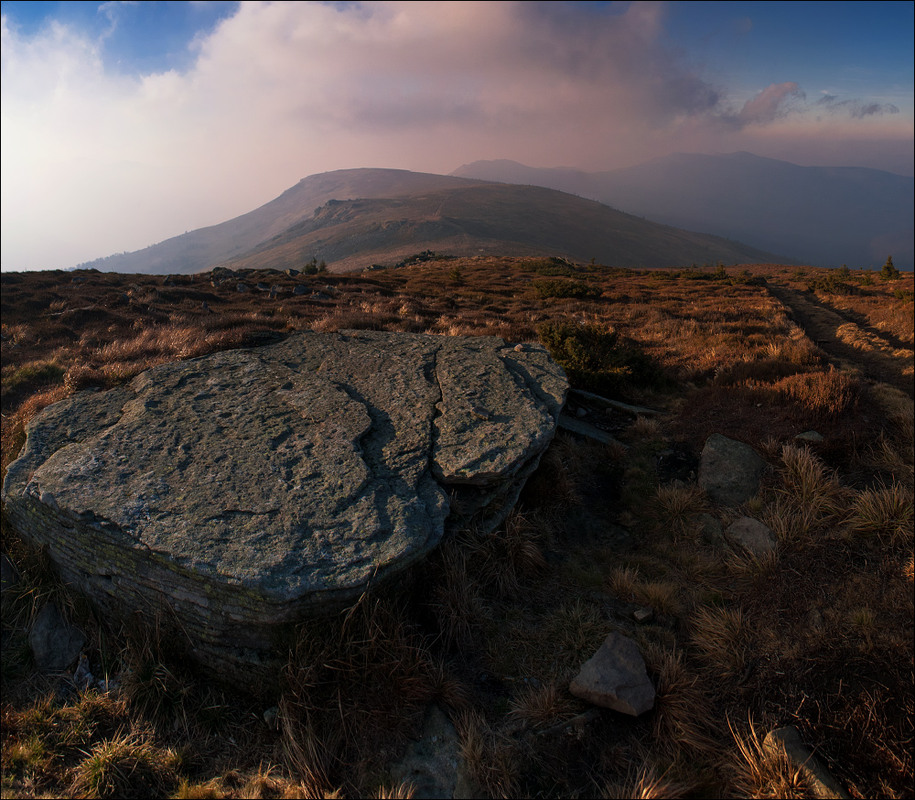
247,489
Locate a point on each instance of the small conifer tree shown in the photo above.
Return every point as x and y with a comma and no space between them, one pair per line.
889,271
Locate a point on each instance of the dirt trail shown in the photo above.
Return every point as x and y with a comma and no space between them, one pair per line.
876,354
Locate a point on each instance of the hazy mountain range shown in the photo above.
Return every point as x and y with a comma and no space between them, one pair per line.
671,212
824,216
353,218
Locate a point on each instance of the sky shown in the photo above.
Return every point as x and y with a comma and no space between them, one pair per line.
126,123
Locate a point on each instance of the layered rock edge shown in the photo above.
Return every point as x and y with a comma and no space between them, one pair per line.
246,490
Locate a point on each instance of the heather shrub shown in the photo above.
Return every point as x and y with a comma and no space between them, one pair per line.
596,358
566,289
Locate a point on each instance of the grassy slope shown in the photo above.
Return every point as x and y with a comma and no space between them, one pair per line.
818,636
487,219
205,247
384,215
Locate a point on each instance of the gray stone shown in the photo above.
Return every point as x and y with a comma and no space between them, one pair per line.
433,764
643,615
822,783
9,580
249,489
729,471
711,530
299,289
810,436
586,429
242,287
55,643
754,537
615,677
9,577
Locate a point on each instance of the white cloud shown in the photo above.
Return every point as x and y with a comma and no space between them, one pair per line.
282,90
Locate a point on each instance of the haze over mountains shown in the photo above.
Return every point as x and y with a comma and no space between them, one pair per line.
824,216
353,218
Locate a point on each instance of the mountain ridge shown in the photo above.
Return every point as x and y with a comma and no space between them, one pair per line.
824,216
353,218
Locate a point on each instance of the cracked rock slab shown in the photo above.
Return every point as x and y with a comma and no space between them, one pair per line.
247,489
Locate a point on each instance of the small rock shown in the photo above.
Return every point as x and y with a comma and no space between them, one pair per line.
711,530
581,412
519,348
292,272
270,717
205,306
242,287
83,676
433,764
822,783
809,436
615,677
55,644
299,289
643,615
321,296
729,471
263,286
752,535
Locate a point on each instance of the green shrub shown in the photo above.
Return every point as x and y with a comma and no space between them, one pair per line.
36,373
566,289
889,271
834,282
552,266
596,358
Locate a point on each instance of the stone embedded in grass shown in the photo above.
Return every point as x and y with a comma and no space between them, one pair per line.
246,489
729,471
615,677
754,537
788,740
810,436
433,764
55,643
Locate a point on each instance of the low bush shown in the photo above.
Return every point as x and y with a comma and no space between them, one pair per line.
597,358
577,290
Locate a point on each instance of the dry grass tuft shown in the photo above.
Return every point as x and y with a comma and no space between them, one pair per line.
491,758
887,512
721,636
646,783
763,772
682,709
807,483
543,706
400,791
127,765
353,686
828,393
676,507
